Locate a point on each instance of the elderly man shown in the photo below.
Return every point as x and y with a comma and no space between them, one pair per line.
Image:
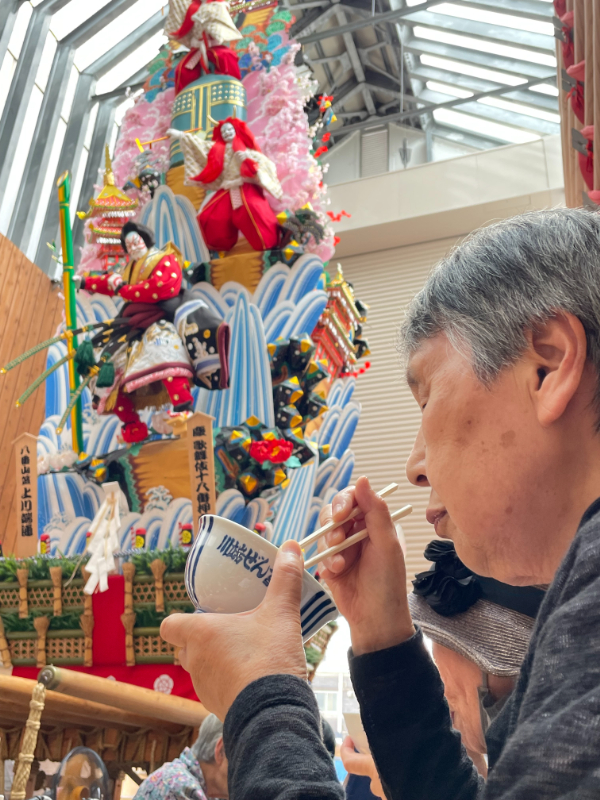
200,772
503,351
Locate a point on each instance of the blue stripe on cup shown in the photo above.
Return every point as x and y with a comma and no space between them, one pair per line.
306,619
192,562
311,602
315,624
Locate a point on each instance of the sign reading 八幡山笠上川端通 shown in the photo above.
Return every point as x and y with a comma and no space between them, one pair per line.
25,543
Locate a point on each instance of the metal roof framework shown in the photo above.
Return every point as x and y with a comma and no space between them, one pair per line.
482,72
75,118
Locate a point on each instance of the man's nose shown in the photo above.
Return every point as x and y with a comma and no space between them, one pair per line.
416,471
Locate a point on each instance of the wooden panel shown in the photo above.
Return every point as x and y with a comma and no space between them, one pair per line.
30,312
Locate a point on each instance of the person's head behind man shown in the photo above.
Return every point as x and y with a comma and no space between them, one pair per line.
209,751
199,772
503,350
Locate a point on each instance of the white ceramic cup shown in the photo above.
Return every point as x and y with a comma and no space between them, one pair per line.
229,569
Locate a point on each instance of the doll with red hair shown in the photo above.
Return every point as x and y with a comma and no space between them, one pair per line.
233,165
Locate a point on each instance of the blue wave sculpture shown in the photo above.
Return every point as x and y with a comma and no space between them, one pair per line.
286,302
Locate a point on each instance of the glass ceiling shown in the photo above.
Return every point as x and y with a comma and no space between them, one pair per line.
81,55
450,52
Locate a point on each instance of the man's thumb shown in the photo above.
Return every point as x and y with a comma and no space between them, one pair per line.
285,589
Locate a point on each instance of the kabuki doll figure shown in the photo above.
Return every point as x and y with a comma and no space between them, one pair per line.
233,164
151,364
207,29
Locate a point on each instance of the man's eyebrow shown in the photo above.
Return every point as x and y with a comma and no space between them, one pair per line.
411,378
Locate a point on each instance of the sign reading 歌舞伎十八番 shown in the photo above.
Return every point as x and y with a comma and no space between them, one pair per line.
202,466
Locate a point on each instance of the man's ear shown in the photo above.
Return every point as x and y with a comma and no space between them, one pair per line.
219,751
558,350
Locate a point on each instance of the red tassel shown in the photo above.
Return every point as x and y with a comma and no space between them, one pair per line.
576,97
337,217
586,165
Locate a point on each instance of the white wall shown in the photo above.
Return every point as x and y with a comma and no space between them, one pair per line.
447,198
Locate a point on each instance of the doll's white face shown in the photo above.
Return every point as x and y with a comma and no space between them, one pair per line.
228,132
136,247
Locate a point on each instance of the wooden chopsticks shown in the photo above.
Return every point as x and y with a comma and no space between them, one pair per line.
351,540
304,543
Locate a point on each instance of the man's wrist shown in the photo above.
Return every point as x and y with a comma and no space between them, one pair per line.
369,641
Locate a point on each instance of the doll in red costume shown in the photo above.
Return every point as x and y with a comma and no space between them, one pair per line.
206,27
151,363
233,164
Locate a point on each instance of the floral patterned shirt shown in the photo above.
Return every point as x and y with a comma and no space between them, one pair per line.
180,779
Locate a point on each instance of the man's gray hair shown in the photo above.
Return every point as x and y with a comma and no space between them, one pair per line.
209,734
507,278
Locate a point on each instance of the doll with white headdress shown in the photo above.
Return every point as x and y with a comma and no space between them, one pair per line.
207,29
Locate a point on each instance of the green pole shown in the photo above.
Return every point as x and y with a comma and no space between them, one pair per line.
64,192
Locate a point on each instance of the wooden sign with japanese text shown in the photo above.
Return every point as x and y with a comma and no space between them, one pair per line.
26,540
202,466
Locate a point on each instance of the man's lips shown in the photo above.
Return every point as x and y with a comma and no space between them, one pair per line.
434,517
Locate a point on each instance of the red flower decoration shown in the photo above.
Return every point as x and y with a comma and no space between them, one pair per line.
320,150
274,450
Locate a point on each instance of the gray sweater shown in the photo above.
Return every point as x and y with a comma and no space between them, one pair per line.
544,745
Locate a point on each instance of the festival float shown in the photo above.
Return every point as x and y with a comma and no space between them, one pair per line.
206,363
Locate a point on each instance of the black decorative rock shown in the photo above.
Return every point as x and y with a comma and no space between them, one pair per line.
288,417
287,393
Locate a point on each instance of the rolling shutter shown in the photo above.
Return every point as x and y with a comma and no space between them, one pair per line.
386,281
374,153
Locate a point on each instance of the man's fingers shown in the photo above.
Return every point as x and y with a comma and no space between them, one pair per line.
175,629
342,504
285,588
356,763
377,514
325,515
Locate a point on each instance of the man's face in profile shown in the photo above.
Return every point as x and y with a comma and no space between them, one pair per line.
481,449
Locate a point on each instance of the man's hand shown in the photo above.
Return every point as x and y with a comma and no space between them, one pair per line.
359,764
368,580
224,653
115,281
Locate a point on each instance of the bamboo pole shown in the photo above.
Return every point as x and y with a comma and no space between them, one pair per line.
565,131
124,696
4,649
596,68
128,618
588,50
64,190
158,568
86,621
56,575
22,576
61,709
32,727
41,625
